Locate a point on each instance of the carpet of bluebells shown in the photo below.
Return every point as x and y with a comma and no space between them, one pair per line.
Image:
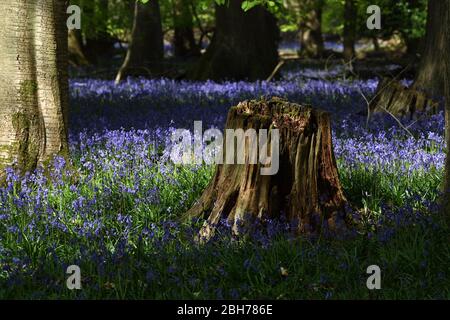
113,208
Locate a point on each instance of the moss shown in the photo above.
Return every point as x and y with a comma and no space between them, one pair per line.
28,89
5,148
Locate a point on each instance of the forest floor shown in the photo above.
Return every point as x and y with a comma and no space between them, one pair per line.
113,209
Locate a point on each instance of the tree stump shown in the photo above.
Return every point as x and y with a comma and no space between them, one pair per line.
393,97
306,189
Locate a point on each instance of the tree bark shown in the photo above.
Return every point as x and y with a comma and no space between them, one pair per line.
184,40
146,49
430,76
306,187
350,16
311,39
244,45
33,82
429,82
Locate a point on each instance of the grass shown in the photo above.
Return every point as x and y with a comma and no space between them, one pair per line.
110,223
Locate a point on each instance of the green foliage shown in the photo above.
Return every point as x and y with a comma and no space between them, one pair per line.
333,17
407,17
102,18
273,6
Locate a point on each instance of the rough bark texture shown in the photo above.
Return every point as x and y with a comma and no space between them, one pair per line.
311,39
399,100
146,48
306,188
446,67
33,82
429,82
350,15
244,45
184,40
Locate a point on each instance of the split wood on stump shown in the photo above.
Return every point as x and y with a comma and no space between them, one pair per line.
306,188
393,97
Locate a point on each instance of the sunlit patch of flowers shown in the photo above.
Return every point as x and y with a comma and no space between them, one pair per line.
117,200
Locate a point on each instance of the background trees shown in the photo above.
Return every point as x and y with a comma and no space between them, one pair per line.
244,45
430,74
184,41
350,16
146,47
186,26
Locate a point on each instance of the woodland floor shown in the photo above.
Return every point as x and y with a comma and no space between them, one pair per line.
113,209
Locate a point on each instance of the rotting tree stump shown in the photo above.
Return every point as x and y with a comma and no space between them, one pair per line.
398,100
306,189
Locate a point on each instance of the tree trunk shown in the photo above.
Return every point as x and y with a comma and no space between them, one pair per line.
376,45
146,48
350,16
446,67
311,39
430,76
306,188
429,81
244,45
77,55
33,82
184,41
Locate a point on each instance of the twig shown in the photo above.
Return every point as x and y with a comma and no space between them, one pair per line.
274,72
386,110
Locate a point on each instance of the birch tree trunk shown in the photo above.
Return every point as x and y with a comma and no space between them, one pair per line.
33,82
